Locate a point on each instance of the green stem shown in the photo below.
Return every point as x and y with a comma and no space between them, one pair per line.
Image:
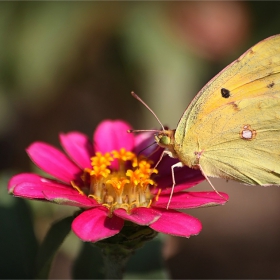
115,259
117,249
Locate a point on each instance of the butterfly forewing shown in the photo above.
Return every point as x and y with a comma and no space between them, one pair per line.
232,127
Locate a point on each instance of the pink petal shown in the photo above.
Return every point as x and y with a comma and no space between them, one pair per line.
113,135
78,147
69,198
21,178
142,138
53,161
33,188
186,200
141,216
94,225
176,223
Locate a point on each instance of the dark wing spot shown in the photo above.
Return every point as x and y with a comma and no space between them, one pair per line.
225,93
271,85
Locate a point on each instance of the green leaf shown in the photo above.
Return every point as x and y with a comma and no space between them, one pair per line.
17,239
50,245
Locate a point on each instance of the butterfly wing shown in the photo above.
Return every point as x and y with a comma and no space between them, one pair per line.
232,127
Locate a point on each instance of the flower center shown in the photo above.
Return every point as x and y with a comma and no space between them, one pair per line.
127,187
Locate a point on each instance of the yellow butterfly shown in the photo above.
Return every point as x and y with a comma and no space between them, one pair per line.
231,129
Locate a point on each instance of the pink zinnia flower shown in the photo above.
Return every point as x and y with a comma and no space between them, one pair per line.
112,183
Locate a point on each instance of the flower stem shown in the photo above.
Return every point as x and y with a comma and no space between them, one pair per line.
115,259
117,249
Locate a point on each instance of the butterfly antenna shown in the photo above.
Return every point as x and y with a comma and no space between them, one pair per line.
142,130
139,99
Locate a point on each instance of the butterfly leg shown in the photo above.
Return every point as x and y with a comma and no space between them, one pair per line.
205,176
161,156
178,164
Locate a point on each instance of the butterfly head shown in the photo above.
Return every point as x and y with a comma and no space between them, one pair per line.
165,139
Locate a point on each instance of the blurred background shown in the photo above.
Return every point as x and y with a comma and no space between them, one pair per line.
69,65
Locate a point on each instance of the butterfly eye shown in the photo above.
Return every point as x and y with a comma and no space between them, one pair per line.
165,140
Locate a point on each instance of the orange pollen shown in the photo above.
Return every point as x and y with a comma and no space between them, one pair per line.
100,171
145,168
135,176
100,159
118,183
124,155
122,187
